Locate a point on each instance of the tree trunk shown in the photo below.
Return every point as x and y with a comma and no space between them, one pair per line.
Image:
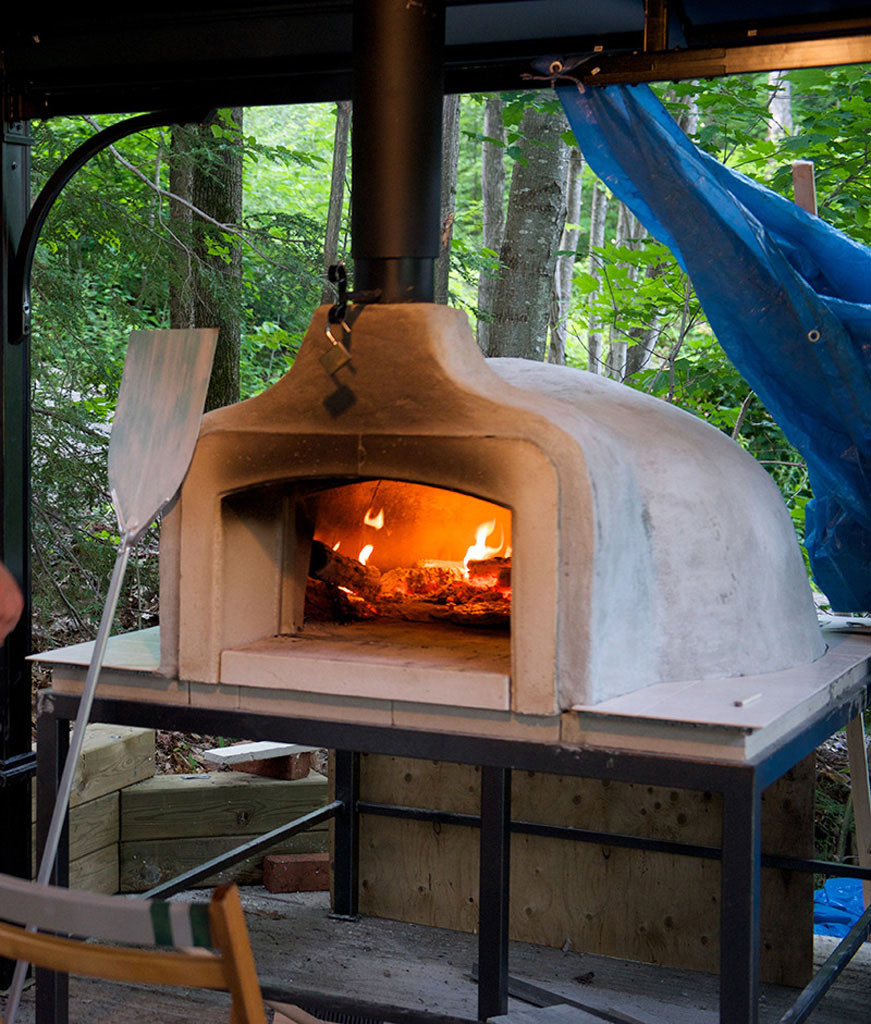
565,264
181,298
688,119
492,210
536,215
629,234
780,107
337,194
598,212
450,155
217,191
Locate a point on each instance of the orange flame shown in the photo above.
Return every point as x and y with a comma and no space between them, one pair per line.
363,557
480,548
336,545
375,520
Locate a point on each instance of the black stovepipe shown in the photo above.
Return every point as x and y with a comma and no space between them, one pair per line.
397,141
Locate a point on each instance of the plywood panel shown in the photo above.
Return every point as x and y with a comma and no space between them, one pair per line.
626,903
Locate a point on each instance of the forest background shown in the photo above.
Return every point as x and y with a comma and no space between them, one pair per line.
234,222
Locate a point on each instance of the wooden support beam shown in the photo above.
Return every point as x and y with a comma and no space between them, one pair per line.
805,192
804,186
655,25
858,755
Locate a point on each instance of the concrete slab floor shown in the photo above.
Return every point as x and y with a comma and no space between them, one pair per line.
298,946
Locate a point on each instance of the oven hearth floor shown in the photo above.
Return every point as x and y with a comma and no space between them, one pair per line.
393,660
296,944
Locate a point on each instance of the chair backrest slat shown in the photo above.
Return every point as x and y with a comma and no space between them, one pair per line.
110,918
150,923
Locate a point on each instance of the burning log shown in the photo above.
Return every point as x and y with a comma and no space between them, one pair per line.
326,602
341,589
490,572
419,581
331,567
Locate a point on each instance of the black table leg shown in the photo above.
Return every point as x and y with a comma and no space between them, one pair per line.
739,918
52,745
346,835
494,897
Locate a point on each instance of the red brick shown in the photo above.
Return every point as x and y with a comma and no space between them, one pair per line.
293,766
296,872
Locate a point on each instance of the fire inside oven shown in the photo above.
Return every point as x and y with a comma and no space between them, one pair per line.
390,550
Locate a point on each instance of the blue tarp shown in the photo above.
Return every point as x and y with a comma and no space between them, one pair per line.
838,906
786,295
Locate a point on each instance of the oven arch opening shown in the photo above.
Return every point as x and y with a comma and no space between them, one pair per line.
373,587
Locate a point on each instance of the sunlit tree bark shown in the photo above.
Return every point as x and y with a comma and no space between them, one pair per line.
533,225
492,207
598,212
217,189
450,155
565,264
337,193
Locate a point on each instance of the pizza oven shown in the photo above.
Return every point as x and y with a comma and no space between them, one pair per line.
426,524
421,524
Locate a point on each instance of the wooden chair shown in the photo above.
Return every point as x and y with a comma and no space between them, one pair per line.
192,945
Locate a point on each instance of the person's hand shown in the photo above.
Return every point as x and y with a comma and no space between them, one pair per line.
11,602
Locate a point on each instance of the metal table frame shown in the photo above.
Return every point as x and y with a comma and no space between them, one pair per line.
740,784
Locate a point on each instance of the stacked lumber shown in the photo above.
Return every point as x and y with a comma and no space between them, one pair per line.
172,823
113,757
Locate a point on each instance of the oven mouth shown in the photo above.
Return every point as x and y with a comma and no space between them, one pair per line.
408,581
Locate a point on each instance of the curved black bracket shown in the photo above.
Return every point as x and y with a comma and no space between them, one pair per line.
19,301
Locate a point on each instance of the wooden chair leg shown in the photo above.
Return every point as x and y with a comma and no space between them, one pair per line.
230,934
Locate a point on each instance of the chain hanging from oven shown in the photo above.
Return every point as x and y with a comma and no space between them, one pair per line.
338,354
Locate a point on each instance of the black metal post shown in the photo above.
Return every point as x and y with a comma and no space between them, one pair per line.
397,138
740,904
16,761
346,835
493,892
53,740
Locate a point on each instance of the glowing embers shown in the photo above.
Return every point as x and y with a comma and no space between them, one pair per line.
394,550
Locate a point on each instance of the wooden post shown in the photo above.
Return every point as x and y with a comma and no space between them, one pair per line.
858,755
804,186
805,191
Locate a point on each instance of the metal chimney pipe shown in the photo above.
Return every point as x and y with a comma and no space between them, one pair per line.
396,193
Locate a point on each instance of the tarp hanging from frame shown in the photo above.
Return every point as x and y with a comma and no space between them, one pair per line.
788,297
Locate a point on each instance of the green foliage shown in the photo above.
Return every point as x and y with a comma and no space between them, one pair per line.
106,257
102,269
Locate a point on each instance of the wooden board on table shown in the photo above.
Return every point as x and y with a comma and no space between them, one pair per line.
602,899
